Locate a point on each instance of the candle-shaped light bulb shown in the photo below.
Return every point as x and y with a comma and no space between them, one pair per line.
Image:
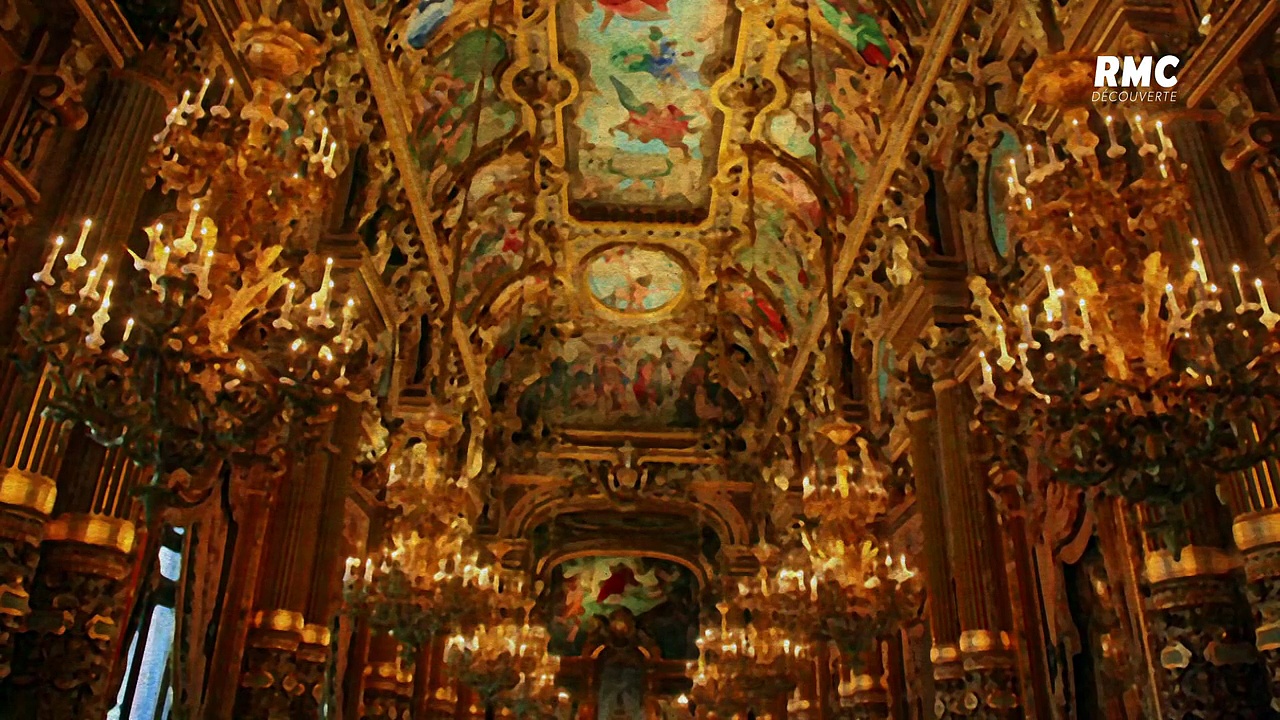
286,310
100,318
46,273
1031,157
1115,149
1052,301
348,312
199,106
1024,317
1268,318
1027,380
988,386
1013,172
1235,275
76,259
128,331
90,288
186,244
1086,335
1198,263
1006,360
1175,311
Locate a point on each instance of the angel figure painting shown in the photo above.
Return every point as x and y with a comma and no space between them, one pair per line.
660,595
644,133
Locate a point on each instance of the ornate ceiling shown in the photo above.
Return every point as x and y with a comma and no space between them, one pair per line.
632,189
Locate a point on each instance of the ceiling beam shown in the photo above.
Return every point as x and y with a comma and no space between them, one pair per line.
394,121
871,193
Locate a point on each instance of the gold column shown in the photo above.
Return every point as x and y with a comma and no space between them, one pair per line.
313,656
26,500
388,682
78,601
269,683
868,687
1257,535
1205,662
274,672
944,624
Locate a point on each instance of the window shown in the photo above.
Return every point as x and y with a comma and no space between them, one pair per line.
145,693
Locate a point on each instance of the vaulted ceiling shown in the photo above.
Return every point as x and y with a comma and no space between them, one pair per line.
622,202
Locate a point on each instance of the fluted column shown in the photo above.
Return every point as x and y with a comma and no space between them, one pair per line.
85,584
944,624
1251,498
283,667
1201,649
977,562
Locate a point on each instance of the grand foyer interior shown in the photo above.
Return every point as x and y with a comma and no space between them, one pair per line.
637,359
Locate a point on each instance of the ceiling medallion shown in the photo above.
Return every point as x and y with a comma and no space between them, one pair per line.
634,279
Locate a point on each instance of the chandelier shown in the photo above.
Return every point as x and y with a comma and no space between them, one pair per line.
745,664
222,338
1109,354
506,663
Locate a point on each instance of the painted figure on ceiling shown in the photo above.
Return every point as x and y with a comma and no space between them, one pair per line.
648,121
643,10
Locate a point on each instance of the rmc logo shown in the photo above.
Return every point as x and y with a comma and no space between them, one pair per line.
1135,72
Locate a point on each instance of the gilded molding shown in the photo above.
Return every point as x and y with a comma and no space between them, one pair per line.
27,490
280,621
1255,530
944,654
979,641
1195,561
95,530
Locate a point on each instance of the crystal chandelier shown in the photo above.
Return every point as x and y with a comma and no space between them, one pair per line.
1109,354
505,661
219,340
744,664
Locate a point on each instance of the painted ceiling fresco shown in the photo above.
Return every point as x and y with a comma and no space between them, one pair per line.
643,381
643,131
634,280
581,316
662,595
